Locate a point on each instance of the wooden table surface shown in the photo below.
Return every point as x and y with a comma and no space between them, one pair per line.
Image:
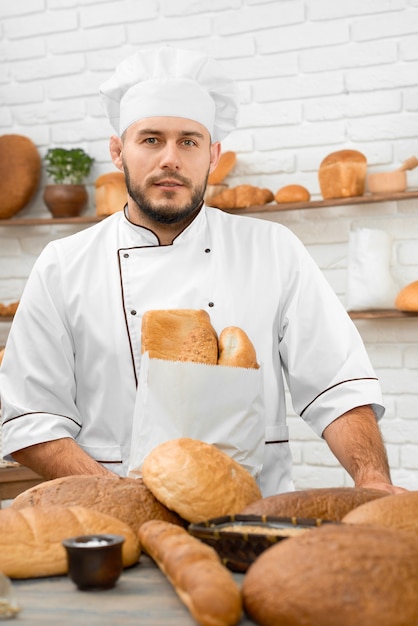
142,596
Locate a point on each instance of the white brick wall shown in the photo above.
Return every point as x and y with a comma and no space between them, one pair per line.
314,76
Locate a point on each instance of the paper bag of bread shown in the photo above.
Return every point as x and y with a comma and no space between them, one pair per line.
194,384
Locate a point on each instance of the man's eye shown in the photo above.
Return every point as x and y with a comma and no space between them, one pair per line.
189,142
151,140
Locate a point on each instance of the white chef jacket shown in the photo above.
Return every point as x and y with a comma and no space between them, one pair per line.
73,354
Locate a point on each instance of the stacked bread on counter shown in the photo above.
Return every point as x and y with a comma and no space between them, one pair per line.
359,569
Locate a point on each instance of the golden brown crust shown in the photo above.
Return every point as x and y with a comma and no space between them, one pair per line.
329,503
20,173
30,540
292,193
336,574
110,193
8,310
398,511
180,335
197,480
236,349
127,499
241,197
194,569
407,298
225,166
343,174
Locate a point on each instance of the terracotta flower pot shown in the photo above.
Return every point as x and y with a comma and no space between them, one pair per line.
65,200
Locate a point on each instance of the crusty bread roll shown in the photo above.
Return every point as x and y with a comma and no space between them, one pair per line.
180,335
224,167
20,173
197,480
407,298
8,310
328,503
342,174
396,511
241,197
127,499
236,349
194,569
292,193
30,539
336,575
110,193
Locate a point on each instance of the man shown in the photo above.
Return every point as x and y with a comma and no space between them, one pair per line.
73,357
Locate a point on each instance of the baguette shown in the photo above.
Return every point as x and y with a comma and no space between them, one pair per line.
128,499
195,571
236,349
328,503
30,539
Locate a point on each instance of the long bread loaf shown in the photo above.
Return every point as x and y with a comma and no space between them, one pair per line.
194,569
30,539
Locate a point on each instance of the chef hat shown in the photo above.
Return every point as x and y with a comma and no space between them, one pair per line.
171,82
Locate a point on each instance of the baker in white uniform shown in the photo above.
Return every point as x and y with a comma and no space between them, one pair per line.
73,357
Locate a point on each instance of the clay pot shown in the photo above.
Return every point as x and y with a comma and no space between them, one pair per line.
65,200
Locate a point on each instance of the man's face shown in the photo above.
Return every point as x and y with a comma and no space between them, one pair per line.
166,161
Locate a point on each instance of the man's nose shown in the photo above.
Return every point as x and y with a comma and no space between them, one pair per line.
170,157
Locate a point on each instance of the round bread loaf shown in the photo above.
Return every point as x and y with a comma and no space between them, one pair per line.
110,193
292,193
20,171
30,540
197,480
336,574
128,499
407,298
342,174
396,511
328,503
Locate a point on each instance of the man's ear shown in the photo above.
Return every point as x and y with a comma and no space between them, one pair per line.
215,155
115,147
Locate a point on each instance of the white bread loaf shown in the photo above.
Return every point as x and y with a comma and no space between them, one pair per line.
197,480
179,335
194,569
328,503
395,511
236,349
407,298
336,575
342,174
111,194
30,539
127,499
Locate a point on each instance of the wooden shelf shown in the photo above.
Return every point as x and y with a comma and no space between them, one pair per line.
264,208
381,314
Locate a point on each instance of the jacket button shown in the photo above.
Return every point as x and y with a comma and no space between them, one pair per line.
133,312
126,255
211,304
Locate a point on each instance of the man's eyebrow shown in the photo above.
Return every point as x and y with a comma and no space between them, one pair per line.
183,133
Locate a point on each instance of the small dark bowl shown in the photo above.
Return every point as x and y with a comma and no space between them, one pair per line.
94,561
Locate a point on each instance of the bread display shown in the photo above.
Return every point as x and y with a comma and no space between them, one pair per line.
236,349
110,193
194,569
328,503
398,511
241,197
180,335
127,499
292,193
342,174
225,165
197,480
20,173
407,298
31,538
336,575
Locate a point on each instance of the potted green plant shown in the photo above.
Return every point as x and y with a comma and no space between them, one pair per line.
68,168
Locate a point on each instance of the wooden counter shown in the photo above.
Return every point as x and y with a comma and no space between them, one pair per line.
14,479
142,596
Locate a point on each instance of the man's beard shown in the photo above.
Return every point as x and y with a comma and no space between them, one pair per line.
169,213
